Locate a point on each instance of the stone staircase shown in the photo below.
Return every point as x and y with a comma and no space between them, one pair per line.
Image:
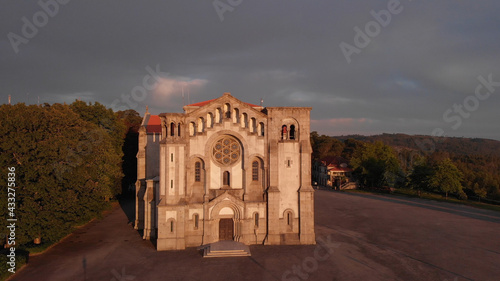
225,249
349,185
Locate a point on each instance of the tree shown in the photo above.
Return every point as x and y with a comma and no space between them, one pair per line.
324,146
113,129
132,121
480,192
375,164
447,178
420,176
65,168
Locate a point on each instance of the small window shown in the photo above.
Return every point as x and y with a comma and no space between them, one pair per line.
289,219
226,178
236,115
172,129
201,125
284,132
179,129
196,221
192,129
171,183
210,120
171,157
257,219
292,132
253,125
255,171
244,120
218,115
171,226
227,110
197,172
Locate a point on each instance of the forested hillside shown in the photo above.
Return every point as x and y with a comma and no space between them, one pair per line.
460,166
463,146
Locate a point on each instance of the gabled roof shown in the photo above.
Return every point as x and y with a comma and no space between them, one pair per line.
153,124
209,101
336,164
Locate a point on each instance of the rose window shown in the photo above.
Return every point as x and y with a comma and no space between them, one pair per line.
226,150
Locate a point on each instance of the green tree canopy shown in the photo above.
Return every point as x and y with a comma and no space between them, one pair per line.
65,168
447,178
375,164
420,176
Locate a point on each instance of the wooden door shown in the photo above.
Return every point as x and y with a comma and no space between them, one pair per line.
226,229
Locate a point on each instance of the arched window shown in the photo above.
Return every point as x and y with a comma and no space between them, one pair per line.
227,110
236,116
196,221
261,129
284,132
255,171
197,171
226,178
244,120
179,129
172,226
172,129
253,125
288,216
201,124
210,120
192,130
257,219
218,115
292,132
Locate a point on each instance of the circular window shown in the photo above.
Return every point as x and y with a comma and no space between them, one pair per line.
226,150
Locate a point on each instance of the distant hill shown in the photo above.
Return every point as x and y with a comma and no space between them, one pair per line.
459,146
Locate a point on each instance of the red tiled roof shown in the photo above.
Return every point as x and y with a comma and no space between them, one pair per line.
339,169
154,124
336,164
252,105
201,103
209,101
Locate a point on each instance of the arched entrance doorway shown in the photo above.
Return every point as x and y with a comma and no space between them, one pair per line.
226,229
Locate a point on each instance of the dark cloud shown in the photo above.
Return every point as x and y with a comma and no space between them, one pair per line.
426,59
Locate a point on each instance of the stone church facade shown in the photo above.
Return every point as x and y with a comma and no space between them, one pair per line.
225,170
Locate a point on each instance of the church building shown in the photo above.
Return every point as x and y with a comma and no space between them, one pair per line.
225,170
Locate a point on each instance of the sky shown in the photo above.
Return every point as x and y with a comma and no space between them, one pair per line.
365,67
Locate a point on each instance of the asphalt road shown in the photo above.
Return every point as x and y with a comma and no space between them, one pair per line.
360,237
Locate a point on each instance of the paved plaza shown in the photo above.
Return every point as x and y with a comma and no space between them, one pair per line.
360,237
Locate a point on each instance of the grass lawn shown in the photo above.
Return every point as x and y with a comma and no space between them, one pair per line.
433,196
